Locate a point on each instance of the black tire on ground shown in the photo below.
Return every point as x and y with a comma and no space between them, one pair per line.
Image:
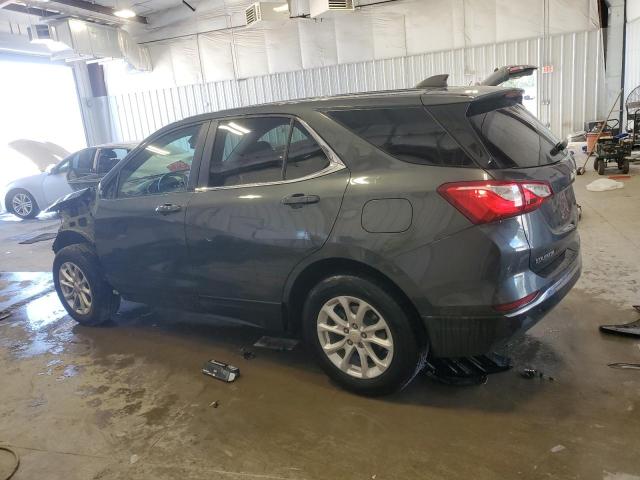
601,166
409,346
104,303
625,166
595,163
35,210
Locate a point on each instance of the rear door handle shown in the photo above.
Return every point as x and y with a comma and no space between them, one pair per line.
300,199
167,208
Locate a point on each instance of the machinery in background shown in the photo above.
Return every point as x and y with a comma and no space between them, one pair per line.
618,147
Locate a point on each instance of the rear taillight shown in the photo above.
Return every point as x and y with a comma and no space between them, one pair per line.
491,200
508,307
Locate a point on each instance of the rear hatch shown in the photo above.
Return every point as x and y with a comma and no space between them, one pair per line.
521,149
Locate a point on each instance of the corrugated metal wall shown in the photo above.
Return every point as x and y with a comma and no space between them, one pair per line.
632,66
569,96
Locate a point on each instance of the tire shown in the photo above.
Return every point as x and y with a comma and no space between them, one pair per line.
595,163
93,307
601,166
399,360
22,204
625,166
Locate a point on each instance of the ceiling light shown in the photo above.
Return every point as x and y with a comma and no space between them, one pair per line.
281,8
125,13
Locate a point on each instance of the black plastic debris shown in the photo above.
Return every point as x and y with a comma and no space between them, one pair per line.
221,371
467,370
625,366
247,354
39,238
533,373
637,307
629,329
276,343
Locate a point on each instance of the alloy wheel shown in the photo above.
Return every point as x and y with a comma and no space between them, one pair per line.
22,204
75,288
355,337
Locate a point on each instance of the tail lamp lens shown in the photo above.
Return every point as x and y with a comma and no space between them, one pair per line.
492,200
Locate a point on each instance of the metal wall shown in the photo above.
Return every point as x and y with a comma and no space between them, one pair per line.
571,95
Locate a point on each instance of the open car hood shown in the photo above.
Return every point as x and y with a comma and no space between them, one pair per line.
42,154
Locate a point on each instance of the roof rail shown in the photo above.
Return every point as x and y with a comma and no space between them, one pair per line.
435,81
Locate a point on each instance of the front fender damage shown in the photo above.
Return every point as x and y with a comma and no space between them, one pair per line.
76,212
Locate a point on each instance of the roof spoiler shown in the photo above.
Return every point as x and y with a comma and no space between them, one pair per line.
435,81
502,74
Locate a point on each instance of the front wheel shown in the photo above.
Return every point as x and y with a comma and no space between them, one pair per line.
22,204
81,287
362,336
601,166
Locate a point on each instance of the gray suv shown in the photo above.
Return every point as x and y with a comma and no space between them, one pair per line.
384,227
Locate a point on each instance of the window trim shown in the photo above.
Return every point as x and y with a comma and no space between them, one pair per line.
335,163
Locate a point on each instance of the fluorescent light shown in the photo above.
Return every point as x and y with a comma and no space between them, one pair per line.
125,13
281,8
238,127
230,129
156,150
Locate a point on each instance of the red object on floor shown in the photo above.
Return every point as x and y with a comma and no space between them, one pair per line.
619,177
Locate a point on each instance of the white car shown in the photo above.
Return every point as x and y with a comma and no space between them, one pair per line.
27,196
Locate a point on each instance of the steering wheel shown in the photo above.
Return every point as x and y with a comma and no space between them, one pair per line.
180,181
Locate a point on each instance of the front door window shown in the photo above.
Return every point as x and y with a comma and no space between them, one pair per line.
164,166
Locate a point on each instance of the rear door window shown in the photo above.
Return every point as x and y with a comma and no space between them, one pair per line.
407,133
514,137
248,151
304,157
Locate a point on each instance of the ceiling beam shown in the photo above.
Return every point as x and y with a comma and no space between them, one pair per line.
95,8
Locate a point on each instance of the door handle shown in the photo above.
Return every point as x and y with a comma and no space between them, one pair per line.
300,199
167,208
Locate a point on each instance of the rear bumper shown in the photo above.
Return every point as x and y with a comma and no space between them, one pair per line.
459,336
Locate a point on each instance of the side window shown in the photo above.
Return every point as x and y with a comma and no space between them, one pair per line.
305,156
408,133
63,166
82,162
162,167
248,150
108,158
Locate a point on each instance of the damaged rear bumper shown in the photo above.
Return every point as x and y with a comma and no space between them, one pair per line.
461,336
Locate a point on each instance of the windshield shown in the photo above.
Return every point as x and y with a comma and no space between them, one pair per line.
513,136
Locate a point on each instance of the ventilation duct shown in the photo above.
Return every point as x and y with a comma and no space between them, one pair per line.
91,41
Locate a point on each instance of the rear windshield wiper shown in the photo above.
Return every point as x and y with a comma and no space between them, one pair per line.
558,147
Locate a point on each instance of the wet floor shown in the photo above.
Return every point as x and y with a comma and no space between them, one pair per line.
128,400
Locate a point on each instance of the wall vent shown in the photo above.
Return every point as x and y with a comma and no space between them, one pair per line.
253,14
324,8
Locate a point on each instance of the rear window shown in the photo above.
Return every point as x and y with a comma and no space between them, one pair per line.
407,133
513,136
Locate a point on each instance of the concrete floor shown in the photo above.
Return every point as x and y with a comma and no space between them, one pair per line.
128,401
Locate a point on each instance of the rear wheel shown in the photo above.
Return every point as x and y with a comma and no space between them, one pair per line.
601,166
362,336
22,204
81,287
625,166
595,164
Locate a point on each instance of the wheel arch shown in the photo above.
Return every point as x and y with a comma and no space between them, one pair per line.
69,237
297,289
